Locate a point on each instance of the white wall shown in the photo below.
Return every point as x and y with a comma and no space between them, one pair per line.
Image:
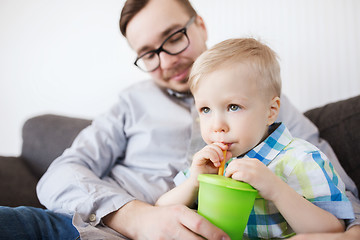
68,57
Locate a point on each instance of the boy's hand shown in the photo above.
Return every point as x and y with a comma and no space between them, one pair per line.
254,172
208,159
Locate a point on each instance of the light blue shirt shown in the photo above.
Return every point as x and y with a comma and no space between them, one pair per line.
134,151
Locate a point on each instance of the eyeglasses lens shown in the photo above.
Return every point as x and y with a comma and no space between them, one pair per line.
175,44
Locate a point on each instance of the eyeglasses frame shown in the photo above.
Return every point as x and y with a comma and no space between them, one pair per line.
161,49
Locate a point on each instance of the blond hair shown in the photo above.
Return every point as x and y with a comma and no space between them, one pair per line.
260,58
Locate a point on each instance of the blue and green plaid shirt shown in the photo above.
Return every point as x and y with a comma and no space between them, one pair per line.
304,168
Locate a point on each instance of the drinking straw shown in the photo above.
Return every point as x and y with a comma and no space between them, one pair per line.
222,166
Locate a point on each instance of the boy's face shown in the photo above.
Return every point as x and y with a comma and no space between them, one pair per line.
231,108
152,25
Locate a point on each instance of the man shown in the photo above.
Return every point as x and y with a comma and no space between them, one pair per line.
118,167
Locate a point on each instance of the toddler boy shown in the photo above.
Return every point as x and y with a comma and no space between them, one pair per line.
236,86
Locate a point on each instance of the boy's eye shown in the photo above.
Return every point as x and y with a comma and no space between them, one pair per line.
234,108
205,110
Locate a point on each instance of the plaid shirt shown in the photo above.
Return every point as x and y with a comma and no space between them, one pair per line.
304,168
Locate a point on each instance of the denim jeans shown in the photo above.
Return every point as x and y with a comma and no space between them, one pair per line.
35,223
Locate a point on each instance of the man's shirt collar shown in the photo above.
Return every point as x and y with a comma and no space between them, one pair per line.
178,94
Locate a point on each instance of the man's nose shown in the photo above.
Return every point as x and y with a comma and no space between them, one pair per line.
167,61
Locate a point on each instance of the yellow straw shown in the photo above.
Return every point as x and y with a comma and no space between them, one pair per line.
222,166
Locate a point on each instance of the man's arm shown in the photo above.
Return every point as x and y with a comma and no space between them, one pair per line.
139,220
77,181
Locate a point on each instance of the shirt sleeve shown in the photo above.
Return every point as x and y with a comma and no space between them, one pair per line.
78,182
356,206
314,178
180,178
301,127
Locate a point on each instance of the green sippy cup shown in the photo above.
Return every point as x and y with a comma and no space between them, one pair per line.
226,203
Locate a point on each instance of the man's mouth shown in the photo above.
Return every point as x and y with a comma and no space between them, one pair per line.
180,76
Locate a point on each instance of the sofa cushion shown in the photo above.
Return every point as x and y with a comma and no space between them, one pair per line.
339,124
45,137
17,183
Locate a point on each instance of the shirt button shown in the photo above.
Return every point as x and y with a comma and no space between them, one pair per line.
92,217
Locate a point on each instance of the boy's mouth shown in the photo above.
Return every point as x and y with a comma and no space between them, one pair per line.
228,144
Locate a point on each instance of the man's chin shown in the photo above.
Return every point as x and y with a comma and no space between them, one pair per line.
180,86
177,86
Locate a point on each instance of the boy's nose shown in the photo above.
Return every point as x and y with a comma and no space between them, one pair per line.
220,125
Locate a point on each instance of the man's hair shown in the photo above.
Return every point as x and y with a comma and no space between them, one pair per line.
132,7
256,55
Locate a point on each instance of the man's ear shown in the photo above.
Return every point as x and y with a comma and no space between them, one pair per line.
274,108
200,21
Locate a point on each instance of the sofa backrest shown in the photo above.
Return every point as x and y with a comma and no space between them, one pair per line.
45,137
339,124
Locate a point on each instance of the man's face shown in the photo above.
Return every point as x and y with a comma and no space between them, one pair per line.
152,25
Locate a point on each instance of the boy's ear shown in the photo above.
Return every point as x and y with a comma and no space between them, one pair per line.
274,110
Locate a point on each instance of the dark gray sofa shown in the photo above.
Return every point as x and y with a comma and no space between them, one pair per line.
45,137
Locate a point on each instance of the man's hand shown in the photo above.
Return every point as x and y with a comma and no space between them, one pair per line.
139,220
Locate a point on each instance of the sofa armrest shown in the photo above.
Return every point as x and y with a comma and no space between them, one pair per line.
45,137
339,125
17,183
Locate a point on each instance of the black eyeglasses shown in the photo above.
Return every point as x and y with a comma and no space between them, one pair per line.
172,45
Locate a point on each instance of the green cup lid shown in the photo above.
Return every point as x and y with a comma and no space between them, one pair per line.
225,182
